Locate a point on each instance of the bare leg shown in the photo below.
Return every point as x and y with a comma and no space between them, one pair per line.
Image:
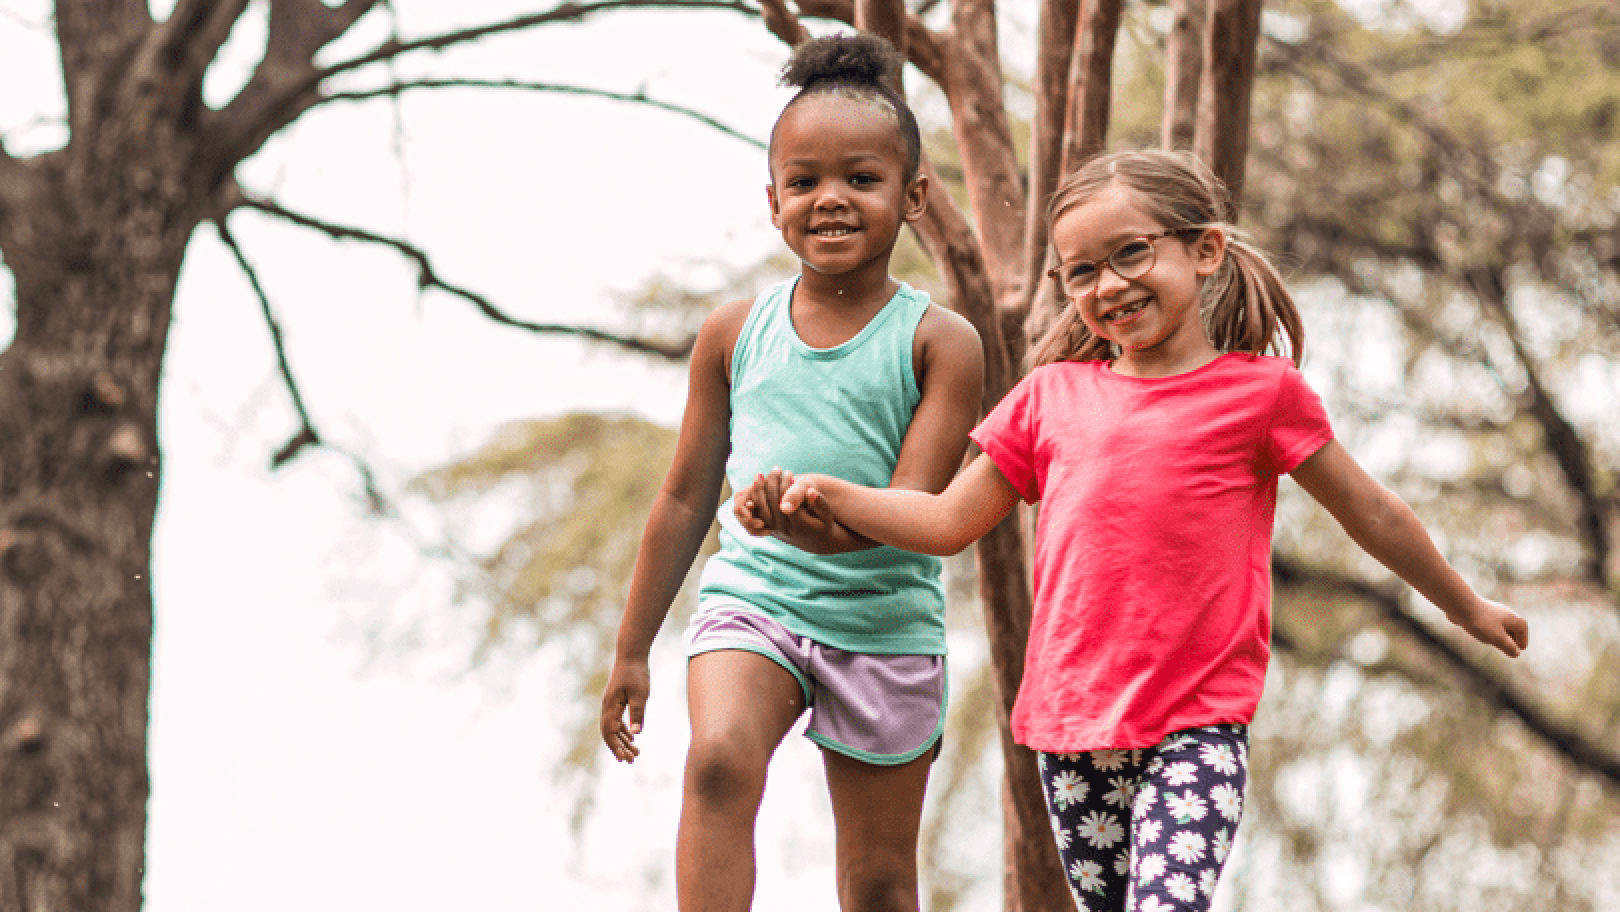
741,705
878,812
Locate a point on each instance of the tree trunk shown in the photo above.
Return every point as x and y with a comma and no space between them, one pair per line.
96,254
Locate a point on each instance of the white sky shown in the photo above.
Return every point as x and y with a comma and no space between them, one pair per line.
296,763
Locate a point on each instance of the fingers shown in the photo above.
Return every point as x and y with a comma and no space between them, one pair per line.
619,740
1515,634
745,506
793,496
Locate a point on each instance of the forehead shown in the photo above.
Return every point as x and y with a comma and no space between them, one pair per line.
831,126
1092,229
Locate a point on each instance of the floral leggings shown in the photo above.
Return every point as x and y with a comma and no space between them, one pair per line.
1147,830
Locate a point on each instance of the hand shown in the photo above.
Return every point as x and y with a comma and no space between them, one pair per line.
1496,624
748,505
627,689
808,526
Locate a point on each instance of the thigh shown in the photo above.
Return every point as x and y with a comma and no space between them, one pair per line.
1186,814
741,702
1089,794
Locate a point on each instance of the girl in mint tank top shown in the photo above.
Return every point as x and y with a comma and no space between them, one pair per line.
846,370
1152,431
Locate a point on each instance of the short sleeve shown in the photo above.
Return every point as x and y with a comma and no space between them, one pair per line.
1299,423
1007,436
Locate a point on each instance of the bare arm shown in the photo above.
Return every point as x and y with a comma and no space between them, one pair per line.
680,518
950,372
939,524
1385,527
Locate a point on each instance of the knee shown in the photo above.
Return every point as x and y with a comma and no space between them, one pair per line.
721,774
879,885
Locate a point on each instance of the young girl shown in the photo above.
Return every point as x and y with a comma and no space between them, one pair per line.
1153,430
845,370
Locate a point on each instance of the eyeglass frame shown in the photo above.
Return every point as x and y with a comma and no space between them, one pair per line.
1056,272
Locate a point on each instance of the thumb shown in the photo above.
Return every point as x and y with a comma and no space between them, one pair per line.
793,497
637,705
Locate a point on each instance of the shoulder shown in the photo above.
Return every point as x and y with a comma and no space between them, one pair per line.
717,337
943,326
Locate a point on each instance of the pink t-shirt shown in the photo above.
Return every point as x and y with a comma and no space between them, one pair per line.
1153,546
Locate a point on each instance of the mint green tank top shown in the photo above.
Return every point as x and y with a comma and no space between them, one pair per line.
839,411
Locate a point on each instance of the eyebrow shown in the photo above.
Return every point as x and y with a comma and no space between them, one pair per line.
846,160
1112,242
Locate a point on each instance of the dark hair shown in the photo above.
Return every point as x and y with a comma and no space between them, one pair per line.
1246,305
861,66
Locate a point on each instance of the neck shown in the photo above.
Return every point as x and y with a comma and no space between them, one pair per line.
865,286
1167,358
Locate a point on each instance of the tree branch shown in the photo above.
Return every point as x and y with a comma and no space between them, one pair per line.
306,435
1092,72
1184,60
924,49
1058,20
428,278
641,98
1573,745
1231,35
565,12
783,23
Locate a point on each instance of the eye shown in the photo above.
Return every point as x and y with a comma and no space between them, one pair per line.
1131,253
1081,272
799,183
862,180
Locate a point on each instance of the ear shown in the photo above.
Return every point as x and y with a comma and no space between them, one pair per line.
1208,250
916,198
776,211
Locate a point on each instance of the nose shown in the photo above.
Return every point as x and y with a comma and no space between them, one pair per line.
1109,282
830,195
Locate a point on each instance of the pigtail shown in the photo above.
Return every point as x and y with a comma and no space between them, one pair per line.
1068,339
1247,306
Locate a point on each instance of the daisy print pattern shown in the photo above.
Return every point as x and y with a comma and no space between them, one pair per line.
1148,829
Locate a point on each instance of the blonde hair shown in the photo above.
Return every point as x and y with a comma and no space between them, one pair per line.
1245,304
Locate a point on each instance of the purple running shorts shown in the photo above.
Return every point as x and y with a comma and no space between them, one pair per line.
881,709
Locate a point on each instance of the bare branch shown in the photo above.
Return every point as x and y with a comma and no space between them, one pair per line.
92,36
176,53
1573,745
783,23
428,278
640,98
565,12
306,435
924,49
1563,440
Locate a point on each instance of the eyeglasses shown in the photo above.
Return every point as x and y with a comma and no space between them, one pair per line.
1131,260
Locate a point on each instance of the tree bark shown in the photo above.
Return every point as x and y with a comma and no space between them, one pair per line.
1184,58
1231,44
96,259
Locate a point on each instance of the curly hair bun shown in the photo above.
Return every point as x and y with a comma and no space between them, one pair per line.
858,59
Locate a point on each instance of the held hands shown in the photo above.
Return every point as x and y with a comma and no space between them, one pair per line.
1495,624
788,508
627,689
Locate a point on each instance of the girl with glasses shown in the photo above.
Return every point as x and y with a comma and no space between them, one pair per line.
1152,430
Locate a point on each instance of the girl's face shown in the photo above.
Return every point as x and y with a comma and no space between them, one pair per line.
838,192
1154,315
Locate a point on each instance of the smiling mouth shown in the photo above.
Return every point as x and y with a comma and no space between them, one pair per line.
1129,310
833,231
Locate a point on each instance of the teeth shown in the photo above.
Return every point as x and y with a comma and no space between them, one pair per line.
833,232
1125,311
